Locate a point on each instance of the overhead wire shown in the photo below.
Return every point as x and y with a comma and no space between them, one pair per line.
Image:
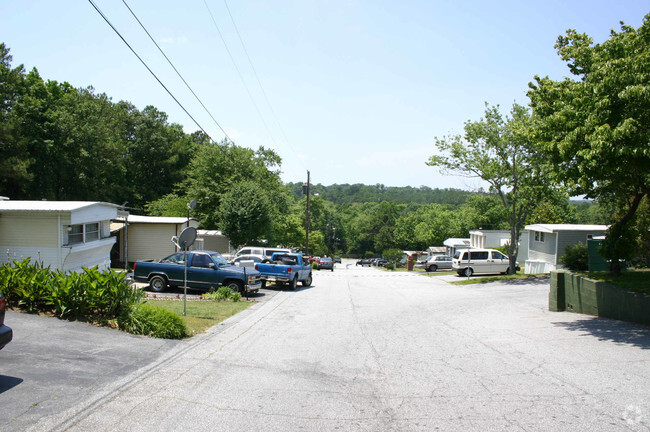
259,82
176,70
241,77
148,68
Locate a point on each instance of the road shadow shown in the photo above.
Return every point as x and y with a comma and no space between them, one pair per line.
8,382
611,330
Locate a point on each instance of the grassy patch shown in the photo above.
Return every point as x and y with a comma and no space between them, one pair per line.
439,273
201,315
633,280
477,280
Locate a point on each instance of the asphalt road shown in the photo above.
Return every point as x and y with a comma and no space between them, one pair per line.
361,350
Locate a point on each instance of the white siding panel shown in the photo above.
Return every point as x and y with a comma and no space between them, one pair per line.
151,241
94,213
28,231
48,256
97,256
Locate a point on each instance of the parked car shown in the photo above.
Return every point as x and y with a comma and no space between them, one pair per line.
286,268
205,270
249,260
259,250
6,334
436,262
325,263
486,261
365,262
337,260
381,263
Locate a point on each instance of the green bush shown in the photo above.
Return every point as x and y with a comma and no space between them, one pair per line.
148,320
314,265
235,297
222,294
90,295
575,257
392,256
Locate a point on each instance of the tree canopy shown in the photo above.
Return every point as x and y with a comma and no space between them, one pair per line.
595,128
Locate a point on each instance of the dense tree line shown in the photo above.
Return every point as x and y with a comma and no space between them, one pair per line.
58,142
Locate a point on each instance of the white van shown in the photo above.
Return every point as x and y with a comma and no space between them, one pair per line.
469,261
259,250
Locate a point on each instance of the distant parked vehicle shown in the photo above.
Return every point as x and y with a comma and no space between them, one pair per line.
6,333
325,263
365,262
436,262
470,261
337,260
249,260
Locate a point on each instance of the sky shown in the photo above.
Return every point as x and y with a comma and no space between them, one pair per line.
353,91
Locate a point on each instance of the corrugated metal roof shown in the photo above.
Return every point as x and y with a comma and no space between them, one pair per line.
551,228
155,219
48,206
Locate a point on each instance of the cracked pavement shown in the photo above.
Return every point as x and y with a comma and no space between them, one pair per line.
367,350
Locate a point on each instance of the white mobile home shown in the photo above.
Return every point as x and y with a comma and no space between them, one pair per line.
64,235
481,239
147,237
547,243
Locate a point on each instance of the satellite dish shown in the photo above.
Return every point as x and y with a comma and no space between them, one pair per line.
187,237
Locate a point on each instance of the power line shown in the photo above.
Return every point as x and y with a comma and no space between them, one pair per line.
258,80
176,70
241,77
148,68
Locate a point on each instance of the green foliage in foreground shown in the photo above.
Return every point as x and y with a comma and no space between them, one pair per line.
90,295
149,320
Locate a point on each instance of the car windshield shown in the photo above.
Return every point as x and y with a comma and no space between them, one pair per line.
218,259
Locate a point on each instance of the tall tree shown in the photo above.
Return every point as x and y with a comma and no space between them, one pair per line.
596,129
500,151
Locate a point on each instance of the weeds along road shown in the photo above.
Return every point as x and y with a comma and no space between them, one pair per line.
367,350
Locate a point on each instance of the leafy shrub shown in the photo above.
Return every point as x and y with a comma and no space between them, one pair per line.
222,294
314,265
575,257
392,256
148,320
235,297
92,295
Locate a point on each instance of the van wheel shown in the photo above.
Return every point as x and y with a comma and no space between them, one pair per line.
432,268
469,272
157,283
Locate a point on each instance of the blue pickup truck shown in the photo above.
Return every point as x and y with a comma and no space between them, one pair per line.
285,268
205,270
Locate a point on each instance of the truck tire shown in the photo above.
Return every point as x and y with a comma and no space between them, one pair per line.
294,283
235,286
307,282
157,283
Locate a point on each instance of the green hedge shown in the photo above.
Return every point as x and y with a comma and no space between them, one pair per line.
148,320
90,295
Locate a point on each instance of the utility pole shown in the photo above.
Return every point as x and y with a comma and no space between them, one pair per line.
307,218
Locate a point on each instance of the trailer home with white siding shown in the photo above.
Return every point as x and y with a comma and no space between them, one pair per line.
143,238
547,243
64,235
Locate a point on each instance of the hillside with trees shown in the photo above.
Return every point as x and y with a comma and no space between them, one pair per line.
58,142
